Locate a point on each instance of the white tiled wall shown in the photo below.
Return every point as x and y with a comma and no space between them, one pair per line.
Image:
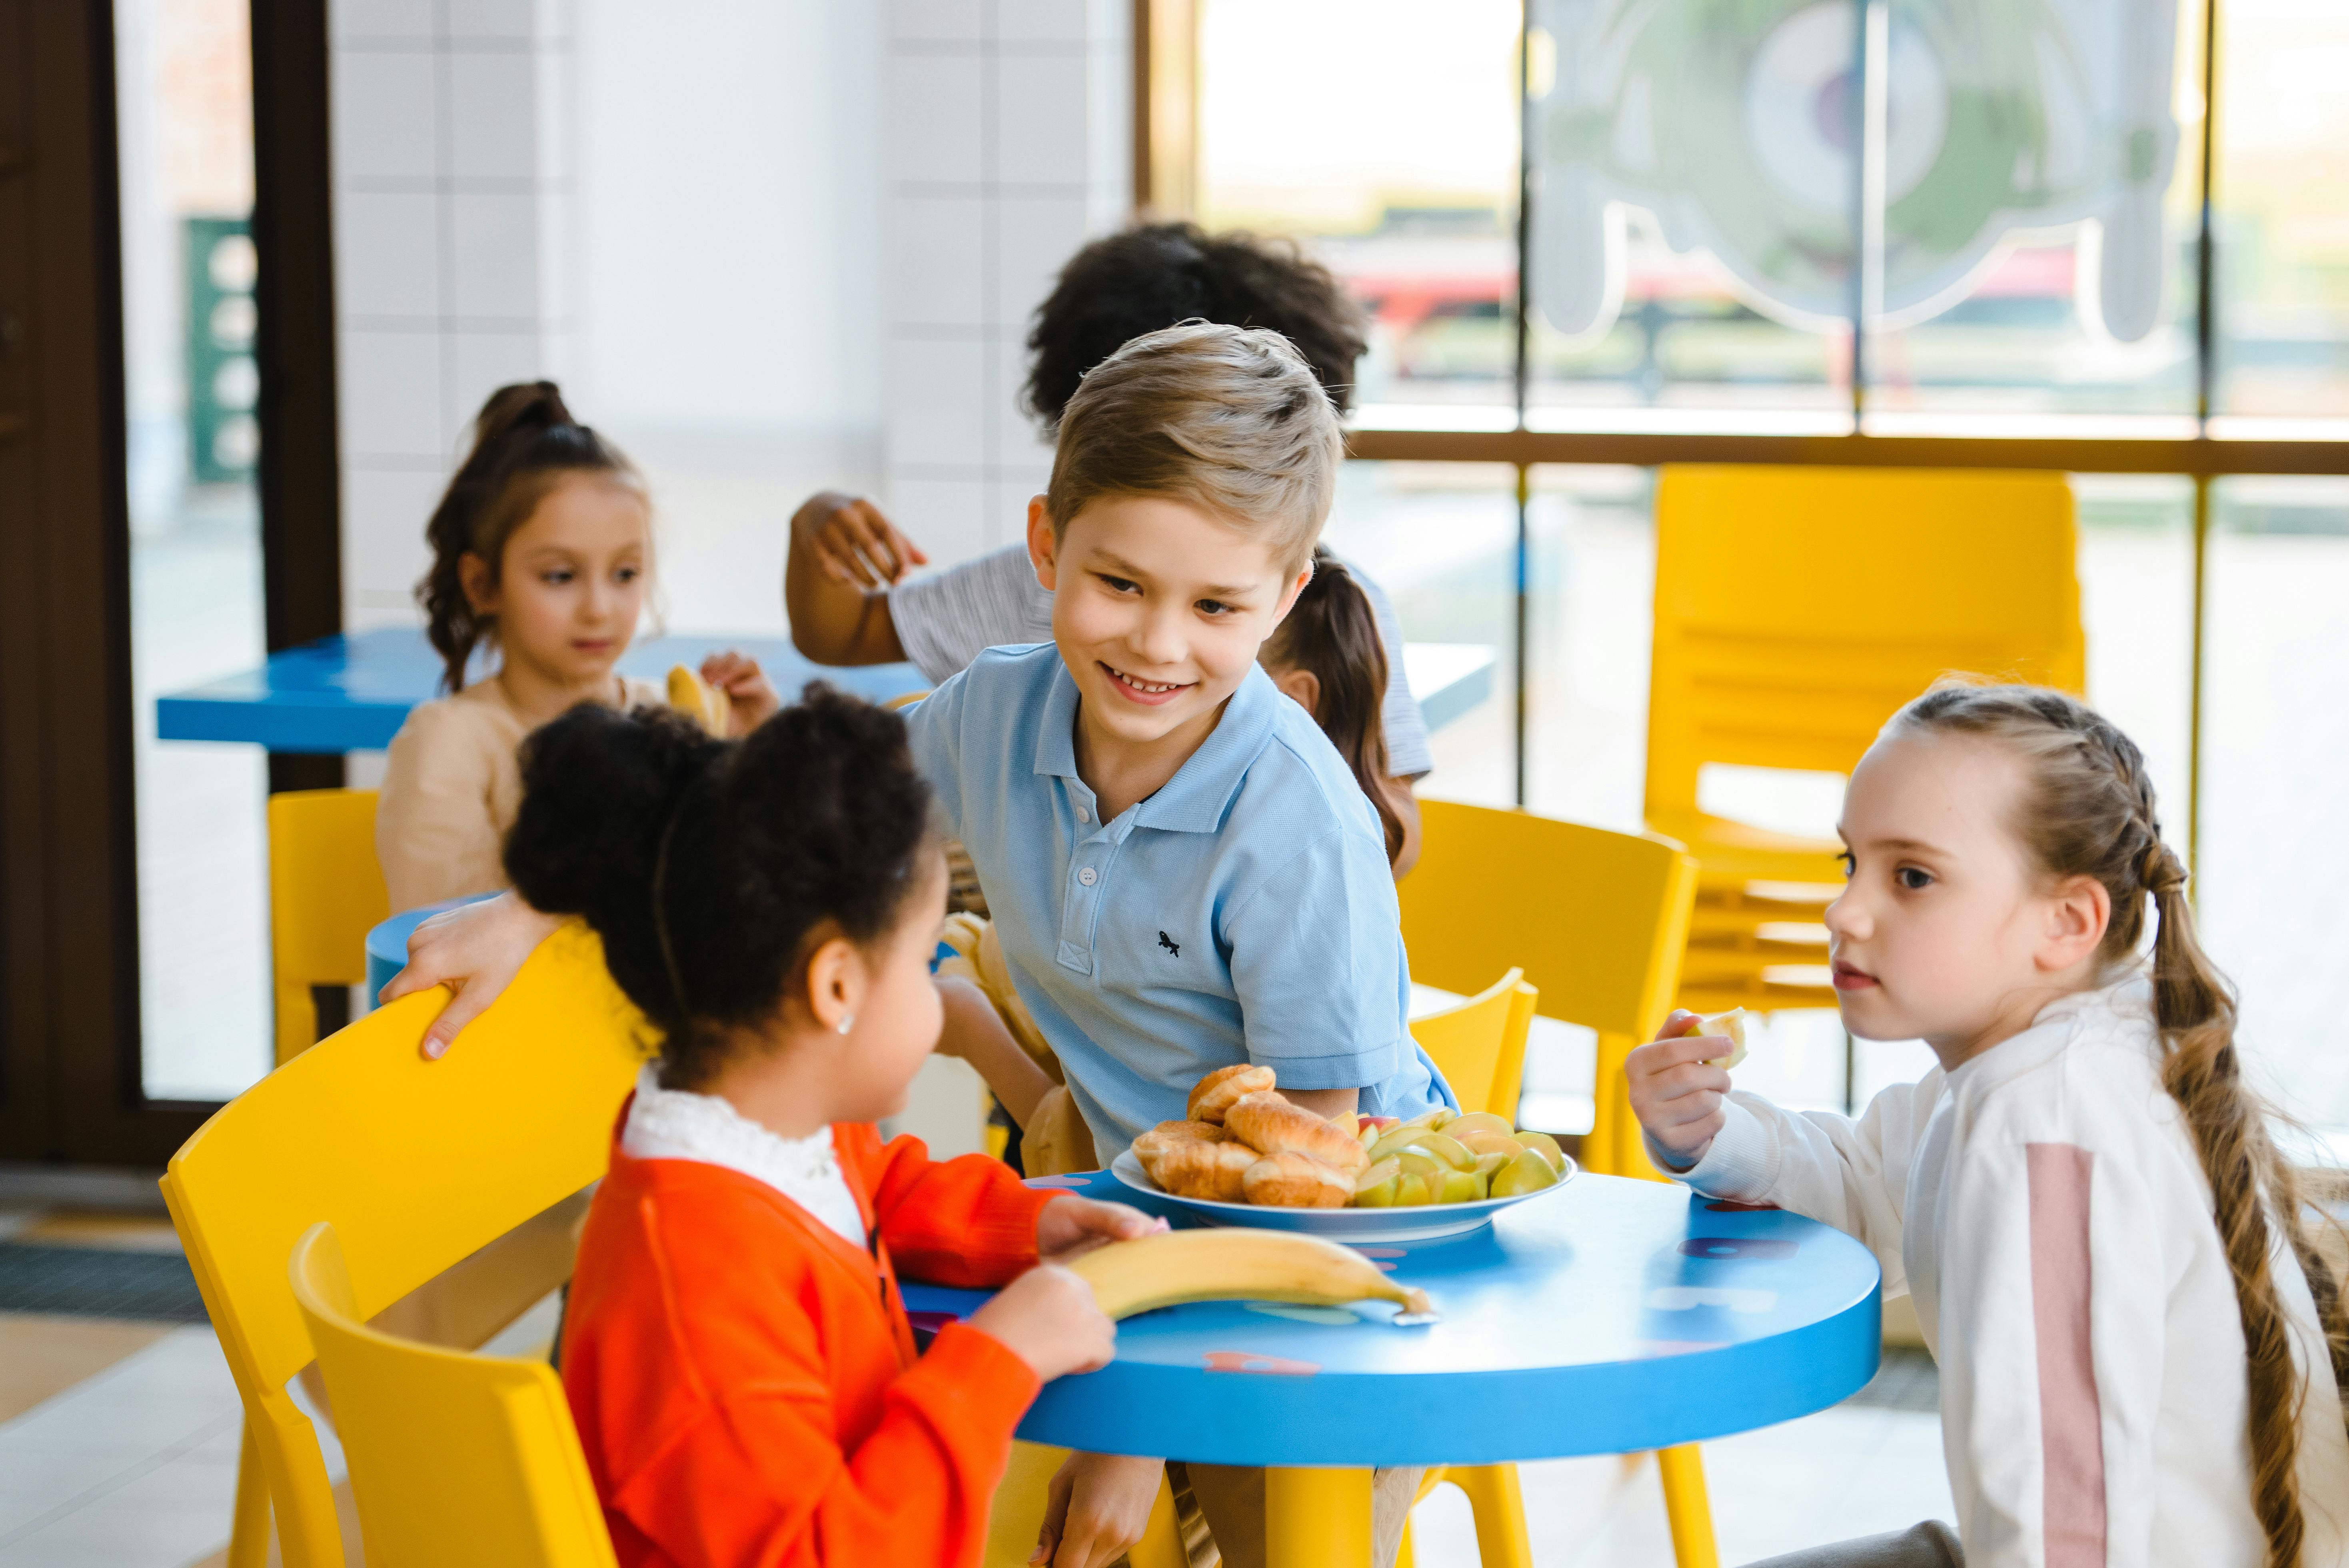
1009,126
452,196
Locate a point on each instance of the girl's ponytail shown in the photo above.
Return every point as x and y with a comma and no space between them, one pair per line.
524,441
601,792
1332,631
2088,810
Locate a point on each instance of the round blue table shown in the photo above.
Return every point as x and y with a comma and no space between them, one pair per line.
1616,1317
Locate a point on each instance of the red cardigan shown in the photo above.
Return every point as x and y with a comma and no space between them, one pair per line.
744,1380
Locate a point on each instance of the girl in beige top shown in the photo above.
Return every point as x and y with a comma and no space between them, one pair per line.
543,551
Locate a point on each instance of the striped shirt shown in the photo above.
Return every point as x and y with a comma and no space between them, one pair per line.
945,620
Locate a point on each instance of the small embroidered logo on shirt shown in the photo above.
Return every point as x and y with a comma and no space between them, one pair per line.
1169,943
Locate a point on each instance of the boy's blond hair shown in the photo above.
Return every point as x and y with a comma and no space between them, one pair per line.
1230,419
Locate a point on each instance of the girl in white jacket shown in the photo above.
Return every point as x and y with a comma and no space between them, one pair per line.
2140,1353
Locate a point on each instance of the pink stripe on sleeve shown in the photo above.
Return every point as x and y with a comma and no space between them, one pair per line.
2071,1426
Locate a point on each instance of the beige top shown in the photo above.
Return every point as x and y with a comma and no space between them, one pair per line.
451,787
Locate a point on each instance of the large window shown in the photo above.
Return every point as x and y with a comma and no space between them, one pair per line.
1847,231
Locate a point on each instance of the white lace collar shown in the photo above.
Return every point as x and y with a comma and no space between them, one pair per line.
671,1124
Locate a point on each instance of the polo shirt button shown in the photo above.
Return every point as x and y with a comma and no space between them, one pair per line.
1087,876
1083,815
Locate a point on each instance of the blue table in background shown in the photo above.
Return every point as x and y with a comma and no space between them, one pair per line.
351,692
1617,1316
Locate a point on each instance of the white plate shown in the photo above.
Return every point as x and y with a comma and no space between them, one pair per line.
1415,1224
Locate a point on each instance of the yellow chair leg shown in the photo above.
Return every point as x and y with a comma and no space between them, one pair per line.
1500,1509
297,1021
248,1530
1682,1470
1160,1545
1316,1517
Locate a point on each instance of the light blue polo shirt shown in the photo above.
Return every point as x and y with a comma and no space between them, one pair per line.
1243,913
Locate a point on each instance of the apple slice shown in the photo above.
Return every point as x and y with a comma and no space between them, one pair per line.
1730,1025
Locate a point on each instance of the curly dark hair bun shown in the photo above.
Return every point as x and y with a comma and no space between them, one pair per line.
705,864
1154,275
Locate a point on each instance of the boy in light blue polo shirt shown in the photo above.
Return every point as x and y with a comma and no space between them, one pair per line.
1183,871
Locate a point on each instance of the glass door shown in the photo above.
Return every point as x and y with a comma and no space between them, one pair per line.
183,71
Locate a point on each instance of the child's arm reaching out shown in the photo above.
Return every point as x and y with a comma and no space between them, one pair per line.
758,1474
974,1031
476,951
1851,1174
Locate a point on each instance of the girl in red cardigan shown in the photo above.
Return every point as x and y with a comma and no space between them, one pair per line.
744,1379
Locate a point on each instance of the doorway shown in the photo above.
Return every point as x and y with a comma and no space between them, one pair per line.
167,505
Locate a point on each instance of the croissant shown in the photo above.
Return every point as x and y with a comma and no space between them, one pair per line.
1268,1122
1196,1169
1221,1089
1153,1145
1290,1181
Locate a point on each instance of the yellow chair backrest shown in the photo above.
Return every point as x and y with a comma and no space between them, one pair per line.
456,1459
1480,1044
1797,608
1597,920
418,1164
326,894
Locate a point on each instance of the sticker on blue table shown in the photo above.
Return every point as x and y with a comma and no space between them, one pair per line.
1336,1316
1249,1361
1687,1298
1652,1348
1737,1247
1063,1181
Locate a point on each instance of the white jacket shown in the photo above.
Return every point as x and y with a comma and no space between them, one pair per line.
2045,1206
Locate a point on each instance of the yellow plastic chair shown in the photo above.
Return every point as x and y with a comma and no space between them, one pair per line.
326,894
457,1460
417,1165
1479,1045
1795,610
1599,921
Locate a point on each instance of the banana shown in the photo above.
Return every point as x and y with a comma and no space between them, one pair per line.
691,695
1238,1264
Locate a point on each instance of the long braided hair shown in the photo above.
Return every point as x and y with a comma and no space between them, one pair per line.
2088,810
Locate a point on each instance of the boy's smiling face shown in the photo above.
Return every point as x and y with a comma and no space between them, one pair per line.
1158,609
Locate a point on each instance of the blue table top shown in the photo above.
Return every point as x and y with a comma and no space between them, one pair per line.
351,692
1615,1316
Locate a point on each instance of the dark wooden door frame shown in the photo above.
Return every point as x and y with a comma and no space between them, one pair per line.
70,1063
71,938
292,231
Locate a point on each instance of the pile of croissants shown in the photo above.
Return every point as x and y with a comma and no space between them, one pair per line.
1244,1142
